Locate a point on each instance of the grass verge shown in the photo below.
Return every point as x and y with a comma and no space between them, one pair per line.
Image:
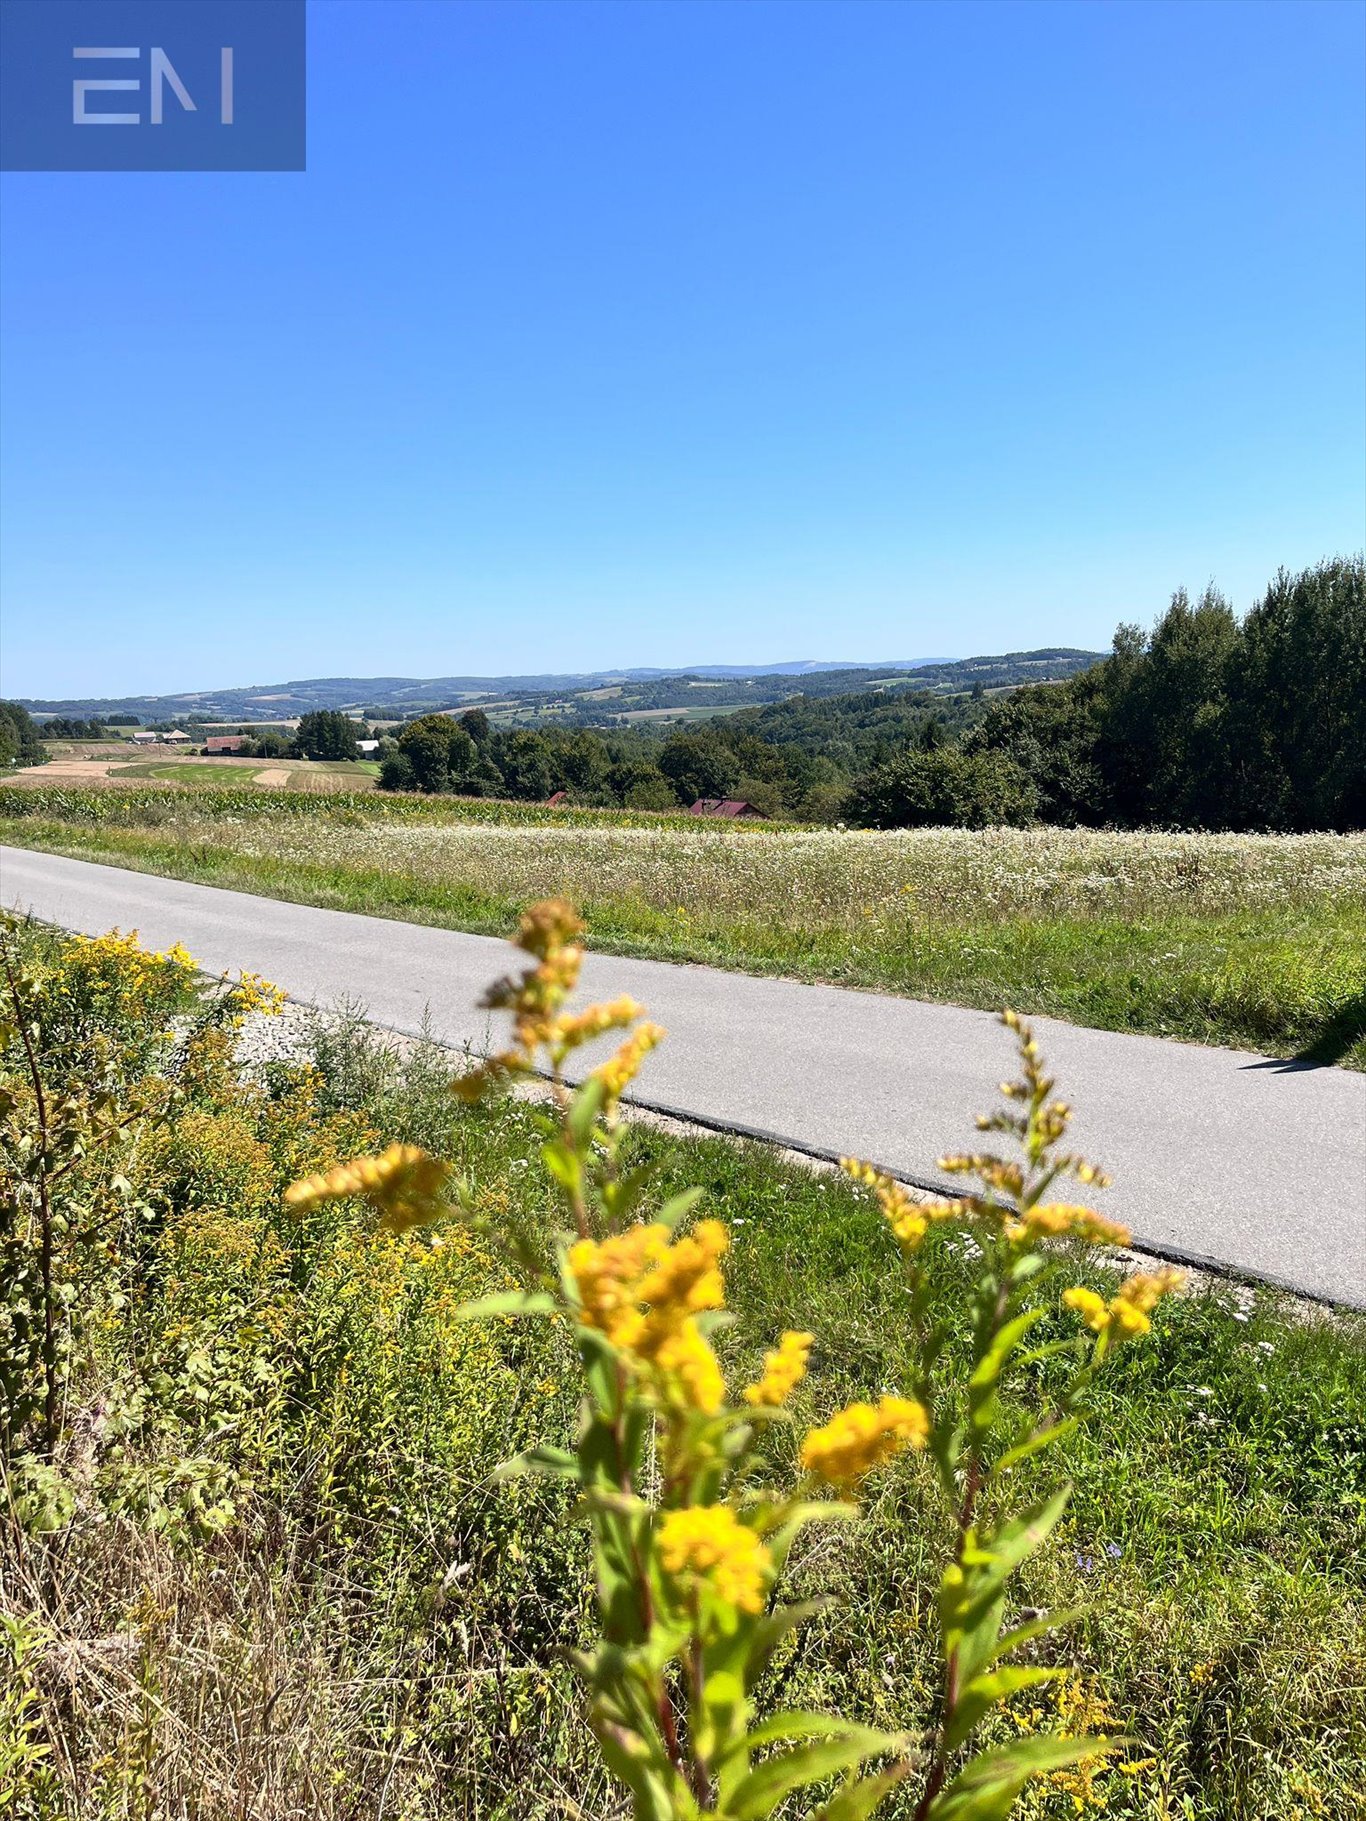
290,1584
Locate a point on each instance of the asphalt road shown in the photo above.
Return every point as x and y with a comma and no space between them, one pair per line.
1218,1155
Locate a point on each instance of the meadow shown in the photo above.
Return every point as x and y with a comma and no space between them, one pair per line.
268,1571
1258,941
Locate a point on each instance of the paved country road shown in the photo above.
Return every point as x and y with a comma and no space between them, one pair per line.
1217,1155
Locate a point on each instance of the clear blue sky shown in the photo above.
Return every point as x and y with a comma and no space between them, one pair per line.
660,334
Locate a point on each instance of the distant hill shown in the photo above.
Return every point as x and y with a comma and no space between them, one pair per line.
532,697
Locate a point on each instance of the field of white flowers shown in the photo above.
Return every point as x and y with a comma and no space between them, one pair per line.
842,876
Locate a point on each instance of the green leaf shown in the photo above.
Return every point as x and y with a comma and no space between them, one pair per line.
781,1727
861,1795
990,1366
506,1302
1015,1541
986,1788
809,1511
621,1198
1043,1438
548,1461
1028,1266
1035,1628
584,1108
564,1166
677,1207
756,1795
765,1636
983,1692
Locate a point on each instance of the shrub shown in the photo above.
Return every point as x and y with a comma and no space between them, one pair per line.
943,787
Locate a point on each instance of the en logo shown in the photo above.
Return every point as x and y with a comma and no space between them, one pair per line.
162,72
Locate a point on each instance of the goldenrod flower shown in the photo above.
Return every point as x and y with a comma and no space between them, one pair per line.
642,1291
686,1369
618,1074
1093,1309
687,1275
547,931
707,1545
784,1369
253,993
548,927
1127,1314
535,998
1056,1218
606,1273
909,1219
491,1073
852,1443
403,1183
569,1032
996,1172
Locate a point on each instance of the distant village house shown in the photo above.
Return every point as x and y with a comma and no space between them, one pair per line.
725,806
225,742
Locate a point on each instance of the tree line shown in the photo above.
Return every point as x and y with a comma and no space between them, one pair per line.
21,743
1207,722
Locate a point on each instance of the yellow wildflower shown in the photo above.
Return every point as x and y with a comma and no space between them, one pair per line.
642,1292
254,994
708,1545
403,1183
996,1172
569,1032
1127,1314
909,1219
1093,1309
853,1442
606,1273
685,1364
548,927
617,1074
784,1368
1056,1218
687,1276
546,931
493,1072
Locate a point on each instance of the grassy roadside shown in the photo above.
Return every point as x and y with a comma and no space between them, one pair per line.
363,1619
1256,942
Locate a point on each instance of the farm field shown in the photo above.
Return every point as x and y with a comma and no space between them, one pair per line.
107,763
383,1630
1254,941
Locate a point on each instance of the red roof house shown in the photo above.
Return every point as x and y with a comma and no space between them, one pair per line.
225,742
560,796
724,806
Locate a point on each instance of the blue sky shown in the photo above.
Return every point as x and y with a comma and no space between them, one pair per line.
657,334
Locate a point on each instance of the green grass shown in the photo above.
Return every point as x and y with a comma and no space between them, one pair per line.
1254,941
212,775
381,1620
189,772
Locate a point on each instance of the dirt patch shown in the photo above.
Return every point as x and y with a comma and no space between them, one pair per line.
275,774
82,771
